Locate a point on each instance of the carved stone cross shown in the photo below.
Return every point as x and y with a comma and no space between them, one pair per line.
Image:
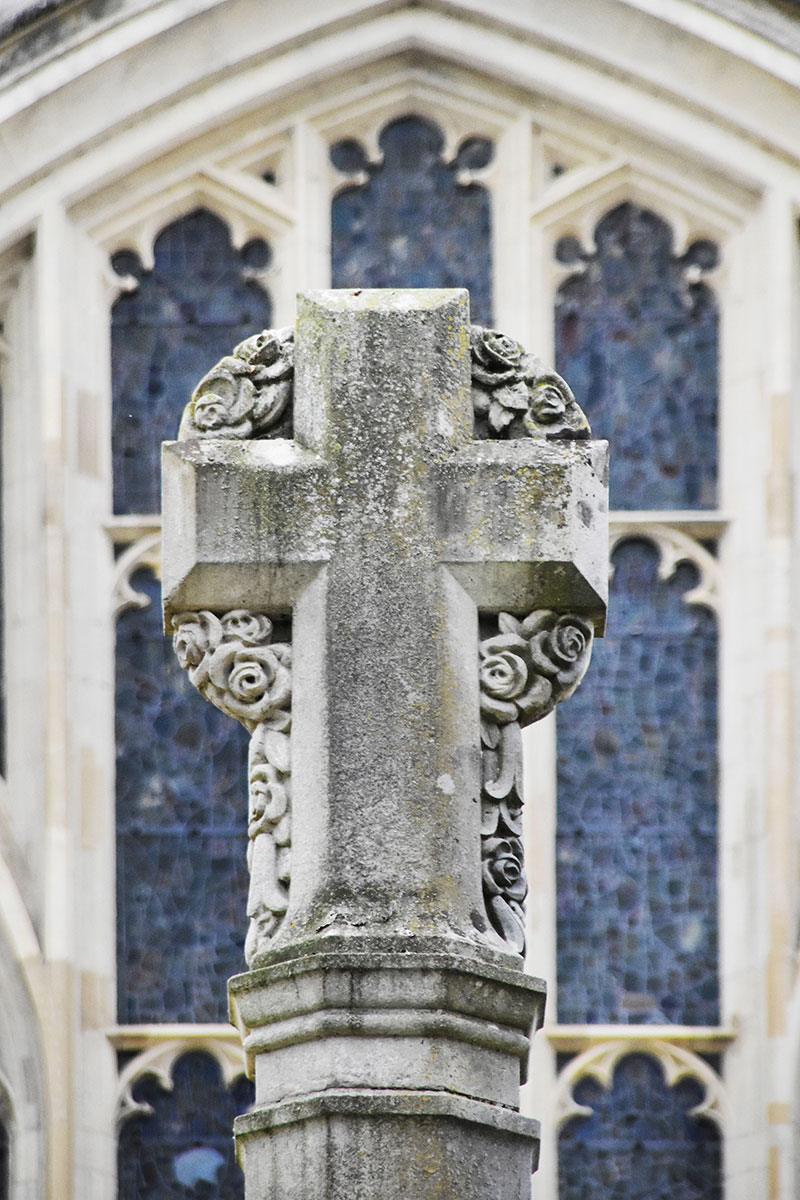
435,473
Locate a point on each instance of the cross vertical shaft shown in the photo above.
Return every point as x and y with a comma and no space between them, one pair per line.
396,762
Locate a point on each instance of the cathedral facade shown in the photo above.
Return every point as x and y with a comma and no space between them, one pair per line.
617,182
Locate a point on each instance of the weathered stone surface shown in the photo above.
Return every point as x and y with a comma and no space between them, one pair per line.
374,1018
372,1144
388,1020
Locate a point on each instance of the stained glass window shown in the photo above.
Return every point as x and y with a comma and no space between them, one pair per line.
412,224
636,338
640,1143
637,810
194,306
184,1149
181,832
181,872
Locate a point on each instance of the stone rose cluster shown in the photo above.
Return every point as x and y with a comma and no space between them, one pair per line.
230,662
525,670
532,665
246,393
514,395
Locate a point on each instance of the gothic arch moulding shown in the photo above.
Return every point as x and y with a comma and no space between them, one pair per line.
159,1061
674,547
576,202
461,104
601,1061
252,208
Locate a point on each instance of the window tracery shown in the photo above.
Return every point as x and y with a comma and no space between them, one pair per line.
637,337
175,1141
184,314
640,1130
408,220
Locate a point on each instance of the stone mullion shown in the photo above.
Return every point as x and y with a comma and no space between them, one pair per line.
311,173
514,291
781,826
23,1090
74,273
77,856
52,270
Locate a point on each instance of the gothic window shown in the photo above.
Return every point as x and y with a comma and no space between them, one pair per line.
412,223
641,1141
179,1144
636,337
192,308
181,832
637,810
636,829
181,870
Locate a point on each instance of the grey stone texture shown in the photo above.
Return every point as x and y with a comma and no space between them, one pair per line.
386,1021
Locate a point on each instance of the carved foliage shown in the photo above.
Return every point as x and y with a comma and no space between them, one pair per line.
232,662
514,394
525,670
247,392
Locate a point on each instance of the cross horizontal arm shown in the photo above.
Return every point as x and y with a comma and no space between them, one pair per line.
251,523
523,524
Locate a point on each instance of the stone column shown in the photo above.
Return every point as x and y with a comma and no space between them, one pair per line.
436,472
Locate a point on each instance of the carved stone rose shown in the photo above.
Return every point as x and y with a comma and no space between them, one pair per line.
252,681
229,661
515,395
532,665
232,662
194,635
525,670
250,628
247,392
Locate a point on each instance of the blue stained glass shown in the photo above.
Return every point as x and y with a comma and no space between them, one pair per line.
639,1143
184,1149
181,832
636,837
637,343
412,224
190,310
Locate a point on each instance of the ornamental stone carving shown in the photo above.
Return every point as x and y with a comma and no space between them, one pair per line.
246,393
525,670
232,662
515,395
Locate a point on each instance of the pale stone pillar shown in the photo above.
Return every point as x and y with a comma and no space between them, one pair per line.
386,1016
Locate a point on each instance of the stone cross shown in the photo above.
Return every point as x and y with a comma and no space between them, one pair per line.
384,479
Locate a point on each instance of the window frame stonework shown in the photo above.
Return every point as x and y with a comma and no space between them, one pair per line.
601,179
